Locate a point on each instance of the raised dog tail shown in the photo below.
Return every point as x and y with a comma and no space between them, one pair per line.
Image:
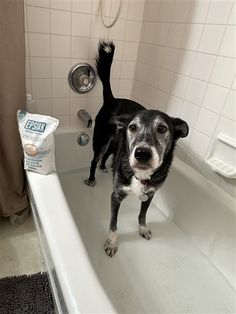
103,63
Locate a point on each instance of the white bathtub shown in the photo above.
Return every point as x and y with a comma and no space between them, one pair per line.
187,267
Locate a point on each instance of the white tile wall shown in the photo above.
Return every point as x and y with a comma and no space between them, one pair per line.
61,33
227,48
173,55
60,67
223,72
41,88
214,98
81,24
190,46
219,12
60,22
39,45
60,46
61,5
38,19
40,67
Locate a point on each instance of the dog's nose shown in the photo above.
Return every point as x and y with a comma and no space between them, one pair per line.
143,154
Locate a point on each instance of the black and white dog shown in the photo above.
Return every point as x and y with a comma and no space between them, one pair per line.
142,142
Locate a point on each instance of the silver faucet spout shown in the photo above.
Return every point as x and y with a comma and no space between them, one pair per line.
85,117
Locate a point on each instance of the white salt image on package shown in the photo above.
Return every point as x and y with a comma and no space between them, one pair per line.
37,139
31,149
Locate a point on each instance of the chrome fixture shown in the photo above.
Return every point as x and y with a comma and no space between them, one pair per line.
82,77
84,116
83,139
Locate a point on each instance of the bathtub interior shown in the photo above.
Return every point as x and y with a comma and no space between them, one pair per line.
187,267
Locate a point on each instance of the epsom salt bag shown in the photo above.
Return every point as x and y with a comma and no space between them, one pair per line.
37,139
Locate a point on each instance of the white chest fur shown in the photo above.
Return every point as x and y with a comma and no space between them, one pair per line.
137,187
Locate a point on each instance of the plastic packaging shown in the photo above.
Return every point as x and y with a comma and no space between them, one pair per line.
37,139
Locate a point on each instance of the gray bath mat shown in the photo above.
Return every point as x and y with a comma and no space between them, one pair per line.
26,294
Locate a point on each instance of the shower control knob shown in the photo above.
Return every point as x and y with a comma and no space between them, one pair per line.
84,79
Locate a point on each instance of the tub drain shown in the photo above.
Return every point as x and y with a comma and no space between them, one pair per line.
83,139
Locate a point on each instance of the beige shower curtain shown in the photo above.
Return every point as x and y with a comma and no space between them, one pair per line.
13,195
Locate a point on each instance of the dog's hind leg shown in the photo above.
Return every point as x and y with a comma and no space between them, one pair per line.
143,230
98,152
91,180
111,245
106,155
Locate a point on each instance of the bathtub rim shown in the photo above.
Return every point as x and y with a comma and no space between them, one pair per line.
66,278
72,288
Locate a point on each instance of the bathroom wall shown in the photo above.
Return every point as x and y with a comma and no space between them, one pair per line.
186,66
61,33
174,55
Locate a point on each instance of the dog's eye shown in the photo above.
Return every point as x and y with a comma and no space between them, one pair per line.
133,128
161,128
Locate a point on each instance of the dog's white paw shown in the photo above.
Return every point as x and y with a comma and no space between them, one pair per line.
145,233
90,182
111,245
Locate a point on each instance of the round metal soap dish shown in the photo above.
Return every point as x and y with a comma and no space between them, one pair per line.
82,77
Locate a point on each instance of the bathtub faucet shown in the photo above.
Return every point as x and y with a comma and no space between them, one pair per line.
85,117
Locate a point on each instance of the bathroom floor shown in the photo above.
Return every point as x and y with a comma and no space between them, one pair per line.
19,249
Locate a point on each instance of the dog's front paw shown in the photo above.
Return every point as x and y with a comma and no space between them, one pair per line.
90,182
144,232
110,247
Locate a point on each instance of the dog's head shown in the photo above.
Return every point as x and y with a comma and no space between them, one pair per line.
150,134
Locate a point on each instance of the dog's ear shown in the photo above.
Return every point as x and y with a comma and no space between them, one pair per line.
121,121
181,128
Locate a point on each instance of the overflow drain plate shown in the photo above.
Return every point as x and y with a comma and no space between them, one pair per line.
82,77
